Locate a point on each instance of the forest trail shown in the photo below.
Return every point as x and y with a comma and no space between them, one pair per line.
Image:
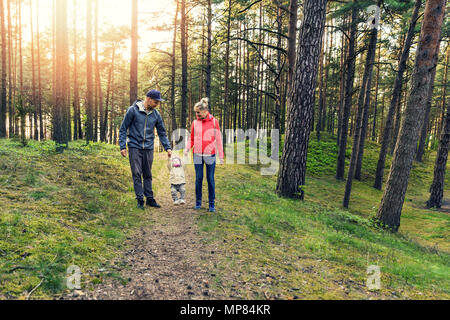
166,258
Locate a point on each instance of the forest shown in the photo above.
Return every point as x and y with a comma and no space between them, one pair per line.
356,90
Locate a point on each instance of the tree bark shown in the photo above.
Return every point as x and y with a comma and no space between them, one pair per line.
33,77
363,105
3,89
184,75
423,132
59,126
39,94
437,186
134,53
394,195
76,99
368,86
208,53
10,72
89,80
386,133
350,70
292,172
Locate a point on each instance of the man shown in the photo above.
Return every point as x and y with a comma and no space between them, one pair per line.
140,121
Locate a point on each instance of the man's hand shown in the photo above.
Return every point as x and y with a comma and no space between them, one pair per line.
123,152
221,161
169,153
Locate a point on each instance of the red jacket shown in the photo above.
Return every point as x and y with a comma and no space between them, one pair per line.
205,136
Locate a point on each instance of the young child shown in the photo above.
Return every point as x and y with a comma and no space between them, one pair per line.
177,180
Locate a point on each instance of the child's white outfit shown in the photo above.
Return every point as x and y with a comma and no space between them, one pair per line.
177,179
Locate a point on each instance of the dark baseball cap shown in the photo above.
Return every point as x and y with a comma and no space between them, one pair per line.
155,94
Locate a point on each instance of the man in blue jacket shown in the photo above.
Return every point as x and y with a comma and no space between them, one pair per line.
140,120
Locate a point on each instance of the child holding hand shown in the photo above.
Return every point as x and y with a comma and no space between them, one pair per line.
177,179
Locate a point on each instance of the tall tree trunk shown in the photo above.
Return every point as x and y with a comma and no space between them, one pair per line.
386,133
99,80
54,58
3,90
277,118
134,53
444,89
342,78
368,86
33,77
172,91
61,71
184,75
350,70
208,53
394,195
21,102
89,81
76,99
398,116
363,106
423,132
292,37
227,71
292,172
39,94
108,91
374,124
437,186
321,93
10,72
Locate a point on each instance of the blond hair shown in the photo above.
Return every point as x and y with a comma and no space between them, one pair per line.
202,104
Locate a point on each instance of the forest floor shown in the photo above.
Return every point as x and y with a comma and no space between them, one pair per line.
78,208
166,258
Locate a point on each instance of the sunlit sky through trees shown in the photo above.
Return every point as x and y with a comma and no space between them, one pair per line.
116,13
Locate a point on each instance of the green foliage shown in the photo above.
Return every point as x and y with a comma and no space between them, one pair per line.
60,210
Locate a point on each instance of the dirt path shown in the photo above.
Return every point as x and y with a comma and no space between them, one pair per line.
167,259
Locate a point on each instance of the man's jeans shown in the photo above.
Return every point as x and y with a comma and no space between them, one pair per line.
210,162
141,166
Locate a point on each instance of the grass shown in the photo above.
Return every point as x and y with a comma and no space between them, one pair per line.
58,210
283,248
77,208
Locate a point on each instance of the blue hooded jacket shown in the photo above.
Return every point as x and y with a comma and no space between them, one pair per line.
140,126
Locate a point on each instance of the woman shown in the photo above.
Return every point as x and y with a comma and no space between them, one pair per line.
205,139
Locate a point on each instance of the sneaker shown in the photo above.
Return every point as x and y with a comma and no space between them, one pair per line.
176,202
212,208
153,203
140,204
198,205
182,201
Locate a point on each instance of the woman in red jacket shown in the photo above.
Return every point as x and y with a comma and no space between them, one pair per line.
206,140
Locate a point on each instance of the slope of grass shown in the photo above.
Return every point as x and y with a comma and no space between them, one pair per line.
283,248
59,210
